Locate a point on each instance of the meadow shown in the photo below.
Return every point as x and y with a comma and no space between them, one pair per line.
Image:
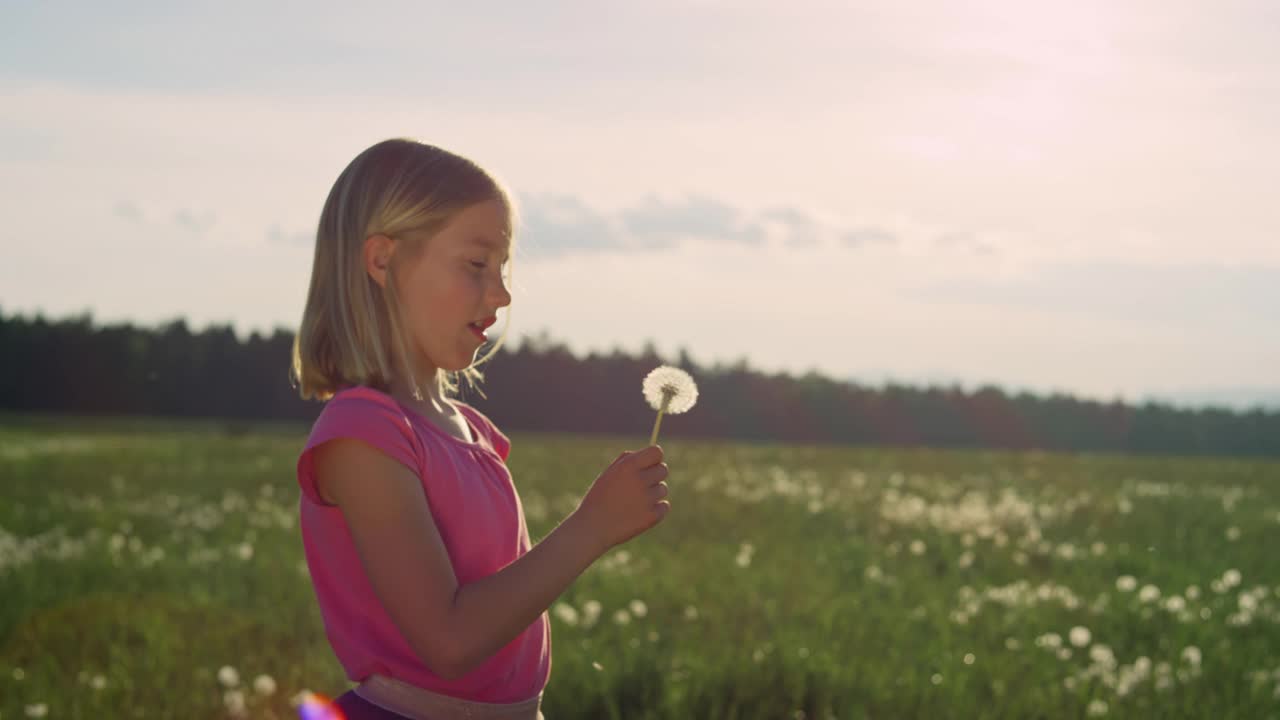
154,569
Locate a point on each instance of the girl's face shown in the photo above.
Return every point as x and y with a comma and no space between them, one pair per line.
450,293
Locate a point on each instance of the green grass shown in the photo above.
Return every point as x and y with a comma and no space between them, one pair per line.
139,557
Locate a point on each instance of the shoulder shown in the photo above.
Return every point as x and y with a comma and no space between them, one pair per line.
360,405
364,414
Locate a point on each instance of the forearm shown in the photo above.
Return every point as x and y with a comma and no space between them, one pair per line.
492,611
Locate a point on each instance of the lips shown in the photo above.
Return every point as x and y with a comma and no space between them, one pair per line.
485,323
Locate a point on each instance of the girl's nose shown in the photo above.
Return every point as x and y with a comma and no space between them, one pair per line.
499,294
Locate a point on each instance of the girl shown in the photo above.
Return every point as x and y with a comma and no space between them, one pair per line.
432,598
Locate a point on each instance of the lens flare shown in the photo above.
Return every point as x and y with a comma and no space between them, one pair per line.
318,707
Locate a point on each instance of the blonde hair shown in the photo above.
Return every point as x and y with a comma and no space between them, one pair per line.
351,327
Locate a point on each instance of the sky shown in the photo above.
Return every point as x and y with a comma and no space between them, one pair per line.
1054,197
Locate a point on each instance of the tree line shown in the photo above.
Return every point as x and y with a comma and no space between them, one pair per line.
75,366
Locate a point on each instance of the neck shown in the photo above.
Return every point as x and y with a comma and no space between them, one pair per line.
432,398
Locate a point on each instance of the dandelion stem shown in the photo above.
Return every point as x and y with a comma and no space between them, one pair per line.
666,400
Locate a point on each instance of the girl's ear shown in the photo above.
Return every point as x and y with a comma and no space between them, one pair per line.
377,257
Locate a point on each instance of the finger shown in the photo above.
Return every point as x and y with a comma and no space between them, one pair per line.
651,455
625,454
659,491
661,509
654,475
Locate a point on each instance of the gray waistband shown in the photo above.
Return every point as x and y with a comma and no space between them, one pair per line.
421,704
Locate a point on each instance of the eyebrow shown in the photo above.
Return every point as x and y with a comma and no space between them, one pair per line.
491,246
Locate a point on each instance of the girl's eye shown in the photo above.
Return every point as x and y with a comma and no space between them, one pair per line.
478,264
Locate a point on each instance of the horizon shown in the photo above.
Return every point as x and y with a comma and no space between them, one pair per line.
1054,199
1235,398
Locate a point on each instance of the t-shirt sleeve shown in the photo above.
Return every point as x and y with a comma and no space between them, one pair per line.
363,416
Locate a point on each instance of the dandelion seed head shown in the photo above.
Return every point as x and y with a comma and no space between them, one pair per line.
1080,636
234,701
672,384
566,613
228,676
264,685
1191,655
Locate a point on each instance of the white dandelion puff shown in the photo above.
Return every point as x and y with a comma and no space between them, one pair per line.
1191,655
567,613
668,389
228,676
591,610
1080,636
234,701
264,685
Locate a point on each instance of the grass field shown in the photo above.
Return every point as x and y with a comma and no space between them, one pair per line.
154,569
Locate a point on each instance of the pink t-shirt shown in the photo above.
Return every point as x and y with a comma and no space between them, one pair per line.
478,512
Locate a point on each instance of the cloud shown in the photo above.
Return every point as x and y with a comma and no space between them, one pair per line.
964,241
128,210
556,225
189,220
868,236
801,229
276,236
663,222
185,218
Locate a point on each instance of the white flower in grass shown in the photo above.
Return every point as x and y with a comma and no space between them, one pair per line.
264,685
591,612
1149,593
668,390
567,613
638,608
228,676
1097,708
1080,636
38,710
234,701
1191,655
1126,583
1052,641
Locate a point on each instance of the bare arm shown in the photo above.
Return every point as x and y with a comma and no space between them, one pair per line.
452,629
